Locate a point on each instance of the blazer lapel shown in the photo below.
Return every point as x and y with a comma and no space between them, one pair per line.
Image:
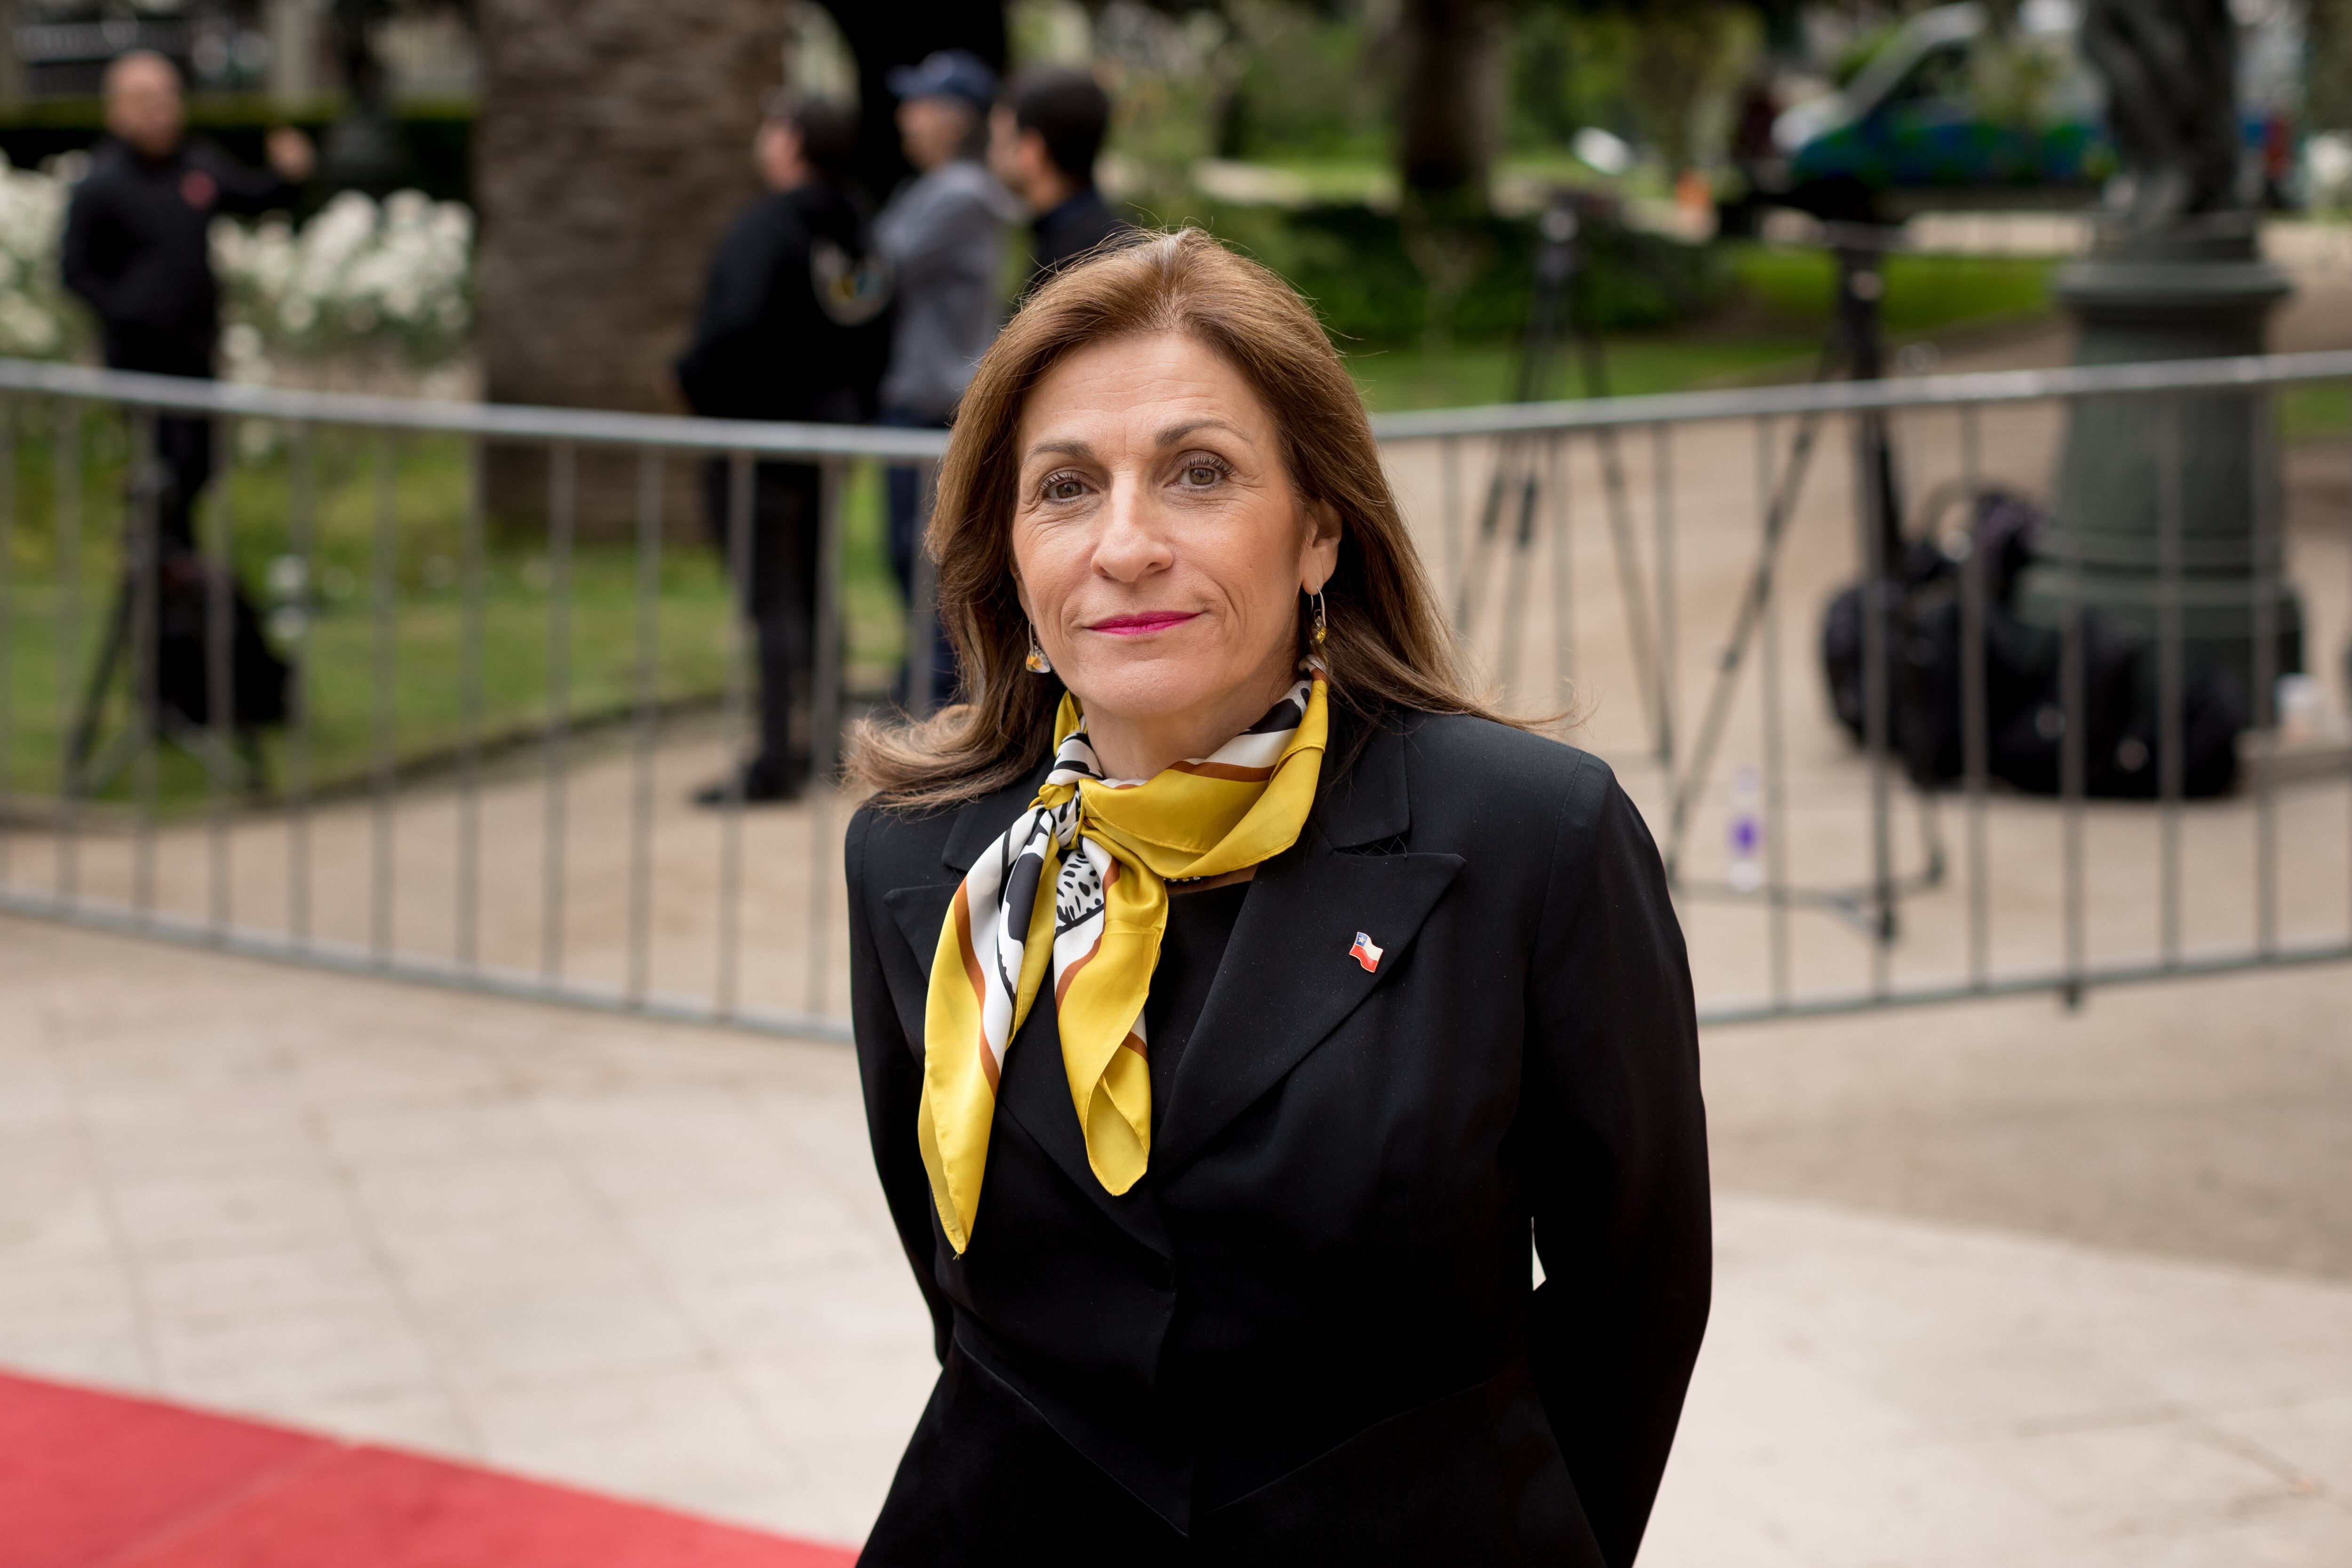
1288,978
920,910
980,823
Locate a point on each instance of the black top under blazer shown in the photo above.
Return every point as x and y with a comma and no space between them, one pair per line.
1308,1334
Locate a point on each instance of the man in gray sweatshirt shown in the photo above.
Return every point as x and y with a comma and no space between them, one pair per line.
943,235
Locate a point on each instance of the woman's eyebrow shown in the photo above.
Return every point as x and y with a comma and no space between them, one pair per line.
1072,448
1175,433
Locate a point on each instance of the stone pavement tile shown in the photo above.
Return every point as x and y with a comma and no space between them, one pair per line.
651,1127
865,1399
2310,1438
433,1268
278,1356
843,1491
1841,1506
239,1210
1761,1392
391,1061
827,1129
846,1415
792,1231
2199,1337
34,1094
685,1435
205,1142
2300,1537
88,1355
49,1206
2199,1119
501,1339
844,1310
478,1194
219,1289
1876,1392
2163,1480
62,1314
56,1225
1946,1342
432,1127
2218,1340
425,1420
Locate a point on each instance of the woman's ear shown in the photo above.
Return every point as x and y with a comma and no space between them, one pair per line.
1322,556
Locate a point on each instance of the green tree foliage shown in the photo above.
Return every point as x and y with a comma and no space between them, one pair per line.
1357,267
2328,32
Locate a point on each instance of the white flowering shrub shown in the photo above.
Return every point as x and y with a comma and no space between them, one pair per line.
36,321
359,279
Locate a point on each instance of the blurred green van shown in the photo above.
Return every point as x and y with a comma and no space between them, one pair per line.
1945,114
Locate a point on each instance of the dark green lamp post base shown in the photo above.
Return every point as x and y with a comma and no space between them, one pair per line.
2204,292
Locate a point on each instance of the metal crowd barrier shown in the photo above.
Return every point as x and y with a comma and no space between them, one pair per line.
543,859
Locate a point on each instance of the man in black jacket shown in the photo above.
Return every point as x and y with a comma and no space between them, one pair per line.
136,247
793,326
1043,139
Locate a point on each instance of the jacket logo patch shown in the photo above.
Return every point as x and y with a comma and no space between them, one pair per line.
850,289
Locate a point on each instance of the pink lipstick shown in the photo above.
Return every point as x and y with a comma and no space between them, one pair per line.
1137,626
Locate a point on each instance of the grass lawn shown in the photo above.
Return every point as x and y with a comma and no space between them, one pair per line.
1773,334
337,615
2312,412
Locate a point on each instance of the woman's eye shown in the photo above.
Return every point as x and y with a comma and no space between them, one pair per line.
1203,474
1063,486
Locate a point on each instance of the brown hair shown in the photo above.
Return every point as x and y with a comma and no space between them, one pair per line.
1390,648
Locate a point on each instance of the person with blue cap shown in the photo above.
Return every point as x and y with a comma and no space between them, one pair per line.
943,235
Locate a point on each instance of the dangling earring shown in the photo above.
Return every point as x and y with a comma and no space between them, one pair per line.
1037,662
1320,629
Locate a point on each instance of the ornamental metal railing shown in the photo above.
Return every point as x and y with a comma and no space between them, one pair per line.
511,655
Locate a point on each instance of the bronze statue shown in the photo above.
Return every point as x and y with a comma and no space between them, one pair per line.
2171,72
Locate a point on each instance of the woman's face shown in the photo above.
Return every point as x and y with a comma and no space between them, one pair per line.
1160,547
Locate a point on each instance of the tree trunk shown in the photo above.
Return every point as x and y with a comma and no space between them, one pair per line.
1449,123
1451,108
2327,33
612,149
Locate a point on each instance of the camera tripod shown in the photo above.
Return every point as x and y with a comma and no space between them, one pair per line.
1852,346
160,574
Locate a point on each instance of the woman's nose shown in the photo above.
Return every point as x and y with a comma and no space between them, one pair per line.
1130,545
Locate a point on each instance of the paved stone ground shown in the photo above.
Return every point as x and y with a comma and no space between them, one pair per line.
1996,1282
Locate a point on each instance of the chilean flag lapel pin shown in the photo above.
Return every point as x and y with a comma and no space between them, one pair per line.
1366,952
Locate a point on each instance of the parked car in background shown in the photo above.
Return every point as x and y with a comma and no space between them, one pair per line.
1949,113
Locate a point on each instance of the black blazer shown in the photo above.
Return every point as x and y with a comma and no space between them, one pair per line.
1308,1333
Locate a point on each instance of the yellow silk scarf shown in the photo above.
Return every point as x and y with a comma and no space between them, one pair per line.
1107,848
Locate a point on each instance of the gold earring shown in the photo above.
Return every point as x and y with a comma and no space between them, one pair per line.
1037,662
1321,630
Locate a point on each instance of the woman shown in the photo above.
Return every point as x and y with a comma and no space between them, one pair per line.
1215,1105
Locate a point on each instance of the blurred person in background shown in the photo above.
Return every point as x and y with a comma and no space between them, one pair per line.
793,326
1043,139
137,247
943,236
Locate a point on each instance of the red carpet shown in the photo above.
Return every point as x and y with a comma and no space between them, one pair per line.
89,1479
